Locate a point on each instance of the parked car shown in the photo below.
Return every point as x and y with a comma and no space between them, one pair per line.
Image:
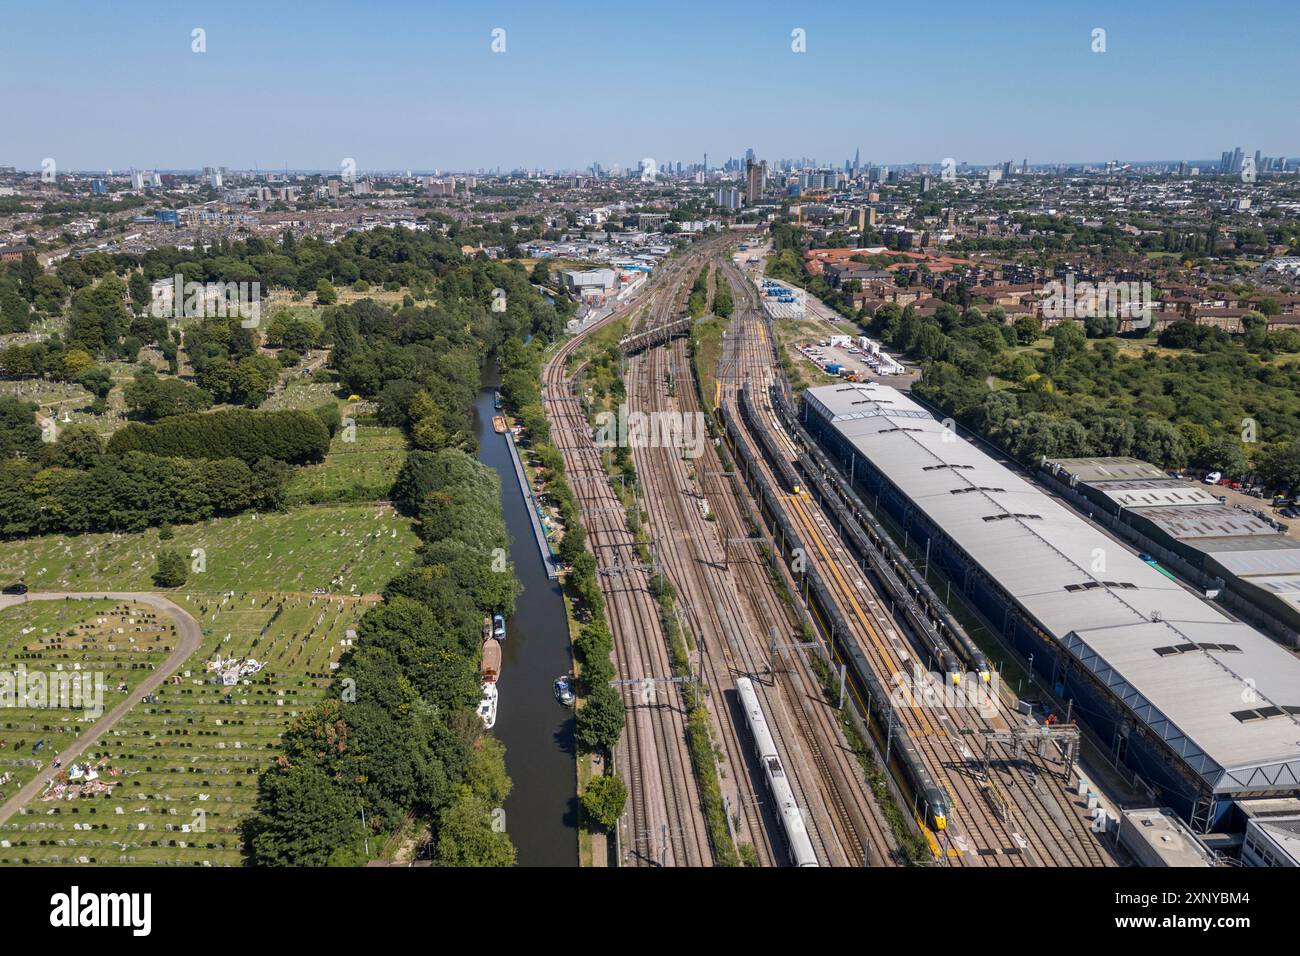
1290,513
1212,478
18,588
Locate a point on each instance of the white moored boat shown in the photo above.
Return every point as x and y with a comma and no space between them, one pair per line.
487,707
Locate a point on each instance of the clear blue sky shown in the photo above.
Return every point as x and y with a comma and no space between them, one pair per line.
415,84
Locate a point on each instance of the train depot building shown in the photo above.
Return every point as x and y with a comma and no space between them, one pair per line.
1204,709
1239,553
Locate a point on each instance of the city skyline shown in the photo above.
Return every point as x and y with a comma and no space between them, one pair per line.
1205,163
276,89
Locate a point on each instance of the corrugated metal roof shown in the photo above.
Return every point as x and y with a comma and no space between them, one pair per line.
1197,521
1112,610
1109,469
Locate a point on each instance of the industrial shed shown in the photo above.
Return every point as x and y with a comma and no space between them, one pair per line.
1235,548
1203,708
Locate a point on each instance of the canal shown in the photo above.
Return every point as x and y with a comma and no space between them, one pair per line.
542,809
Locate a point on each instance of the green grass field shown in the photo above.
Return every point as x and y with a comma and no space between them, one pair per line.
362,468
300,394
357,547
187,764
117,643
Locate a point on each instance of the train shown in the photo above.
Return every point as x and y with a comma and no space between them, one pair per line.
908,583
778,784
930,800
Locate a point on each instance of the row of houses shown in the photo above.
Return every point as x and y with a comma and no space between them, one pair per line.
1028,299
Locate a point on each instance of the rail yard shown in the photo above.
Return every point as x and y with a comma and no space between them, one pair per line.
782,586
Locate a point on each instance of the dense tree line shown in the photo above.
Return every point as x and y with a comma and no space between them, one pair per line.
600,719
423,363
185,469
88,491
1222,408
698,300
149,398
295,437
398,731
723,304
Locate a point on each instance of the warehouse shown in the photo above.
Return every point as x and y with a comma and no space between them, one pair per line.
1211,542
1203,708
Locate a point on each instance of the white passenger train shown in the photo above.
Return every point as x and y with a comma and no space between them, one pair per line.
778,784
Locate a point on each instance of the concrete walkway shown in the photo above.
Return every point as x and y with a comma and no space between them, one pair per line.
189,637
534,513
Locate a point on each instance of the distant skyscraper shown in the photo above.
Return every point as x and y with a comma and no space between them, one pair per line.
754,176
857,156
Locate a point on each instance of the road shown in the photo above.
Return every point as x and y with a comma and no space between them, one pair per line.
190,635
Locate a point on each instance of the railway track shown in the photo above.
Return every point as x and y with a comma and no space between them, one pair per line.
665,825
1020,812
729,608
864,833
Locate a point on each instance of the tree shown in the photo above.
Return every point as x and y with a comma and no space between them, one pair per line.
1112,435
252,378
485,769
29,271
600,720
79,446
1027,329
1279,466
467,835
141,291
1068,339
76,361
1222,453
15,313
302,817
1160,442
326,294
173,569
150,398
603,800
20,436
